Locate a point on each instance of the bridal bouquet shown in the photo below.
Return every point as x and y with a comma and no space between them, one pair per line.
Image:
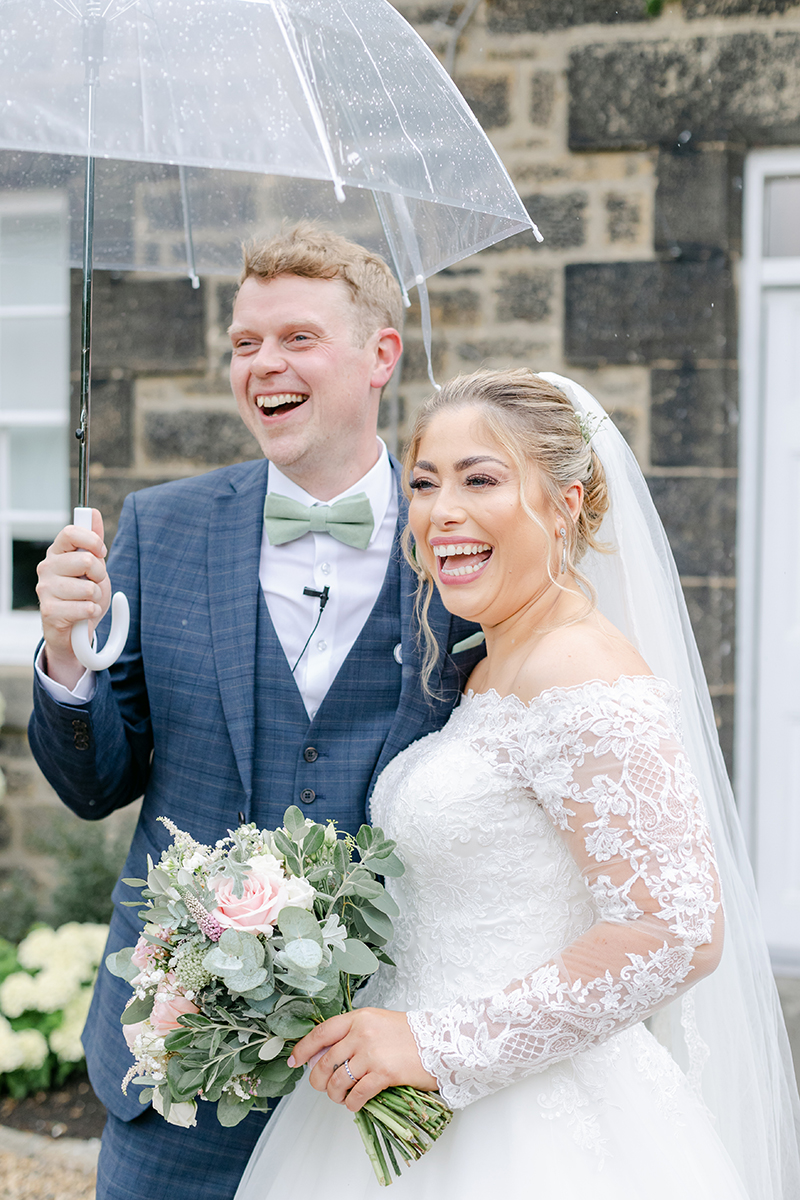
247,945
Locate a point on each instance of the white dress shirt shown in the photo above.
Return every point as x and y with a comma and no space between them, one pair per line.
354,579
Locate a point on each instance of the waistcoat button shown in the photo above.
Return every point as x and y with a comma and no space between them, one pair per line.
308,795
310,754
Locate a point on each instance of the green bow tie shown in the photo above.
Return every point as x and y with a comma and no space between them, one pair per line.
349,520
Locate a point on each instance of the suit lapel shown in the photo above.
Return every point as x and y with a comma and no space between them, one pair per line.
234,549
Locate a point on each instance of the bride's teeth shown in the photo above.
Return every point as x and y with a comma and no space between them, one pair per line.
281,398
467,548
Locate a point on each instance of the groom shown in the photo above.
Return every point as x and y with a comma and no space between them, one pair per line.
272,658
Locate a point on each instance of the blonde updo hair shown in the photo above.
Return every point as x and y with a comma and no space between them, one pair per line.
537,427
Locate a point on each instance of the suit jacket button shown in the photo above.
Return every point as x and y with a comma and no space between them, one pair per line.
80,735
310,754
308,795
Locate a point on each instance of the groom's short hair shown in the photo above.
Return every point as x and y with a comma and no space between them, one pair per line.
312,252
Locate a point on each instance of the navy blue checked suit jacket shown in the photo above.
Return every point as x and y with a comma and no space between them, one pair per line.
174,717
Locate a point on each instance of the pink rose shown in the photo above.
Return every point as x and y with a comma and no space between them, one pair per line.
168,1006
265,894
143,954
131,1032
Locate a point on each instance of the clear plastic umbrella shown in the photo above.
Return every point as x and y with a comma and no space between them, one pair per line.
229,115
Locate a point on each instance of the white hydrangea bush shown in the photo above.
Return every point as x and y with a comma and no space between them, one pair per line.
44,1003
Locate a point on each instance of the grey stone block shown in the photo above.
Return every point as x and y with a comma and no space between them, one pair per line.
694,417
743,87
543,90
487,96
111,422
209,439
16,688
474,353
461,306
736,8
633,312
560,219
142,324
623,217
712,611
699,515
698,210
520,16
525,295
414,363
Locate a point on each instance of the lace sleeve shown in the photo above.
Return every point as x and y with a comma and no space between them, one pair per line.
616,784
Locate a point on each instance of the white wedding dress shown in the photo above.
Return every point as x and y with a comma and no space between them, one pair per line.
559,887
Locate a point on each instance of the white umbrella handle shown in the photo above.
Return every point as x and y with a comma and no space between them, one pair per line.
86,652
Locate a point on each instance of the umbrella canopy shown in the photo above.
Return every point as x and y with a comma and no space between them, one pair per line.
303,93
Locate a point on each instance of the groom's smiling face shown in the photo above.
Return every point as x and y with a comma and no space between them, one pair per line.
306,382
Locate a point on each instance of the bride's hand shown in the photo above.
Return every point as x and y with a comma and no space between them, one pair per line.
378,1047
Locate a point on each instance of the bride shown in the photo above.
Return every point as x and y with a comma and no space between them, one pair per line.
566,866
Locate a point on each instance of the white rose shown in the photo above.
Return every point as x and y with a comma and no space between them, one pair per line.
184,1114
299,893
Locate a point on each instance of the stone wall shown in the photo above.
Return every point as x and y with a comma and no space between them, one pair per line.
625,136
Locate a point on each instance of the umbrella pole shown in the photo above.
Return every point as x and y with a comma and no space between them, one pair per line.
93,56
83,646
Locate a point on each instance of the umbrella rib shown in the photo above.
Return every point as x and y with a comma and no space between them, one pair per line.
316,115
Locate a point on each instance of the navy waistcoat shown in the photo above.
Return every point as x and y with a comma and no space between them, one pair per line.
325,766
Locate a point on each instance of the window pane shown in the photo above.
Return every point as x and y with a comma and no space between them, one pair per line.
34,363
33,249
39,469
782,217
25,557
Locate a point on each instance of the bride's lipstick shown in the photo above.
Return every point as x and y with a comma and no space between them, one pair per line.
460,559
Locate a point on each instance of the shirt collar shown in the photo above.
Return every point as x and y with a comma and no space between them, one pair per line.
378,484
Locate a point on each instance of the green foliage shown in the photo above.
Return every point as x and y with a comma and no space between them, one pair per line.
19,907
88,864
654,7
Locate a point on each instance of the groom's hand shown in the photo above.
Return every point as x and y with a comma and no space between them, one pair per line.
365,1052
73,586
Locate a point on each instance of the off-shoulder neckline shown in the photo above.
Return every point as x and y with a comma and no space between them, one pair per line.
662,685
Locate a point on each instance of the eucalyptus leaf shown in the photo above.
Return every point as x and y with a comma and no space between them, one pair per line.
385,903
303,953
377,921
231,1110
314,840
120,964
139,1010
391,865
355,958
293,819
365,837
271,1048
341,857
286,1025
243,981
146,1095
137,883
299,923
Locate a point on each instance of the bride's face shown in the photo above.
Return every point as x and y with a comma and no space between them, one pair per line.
489,559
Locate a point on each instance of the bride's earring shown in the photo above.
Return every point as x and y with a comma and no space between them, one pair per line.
563,534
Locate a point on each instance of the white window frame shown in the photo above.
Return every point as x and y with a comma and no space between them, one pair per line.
757,273
20,631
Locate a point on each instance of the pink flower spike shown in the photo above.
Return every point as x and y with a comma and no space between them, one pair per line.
206,923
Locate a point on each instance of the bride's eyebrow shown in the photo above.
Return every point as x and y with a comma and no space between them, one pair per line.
465,463
421,465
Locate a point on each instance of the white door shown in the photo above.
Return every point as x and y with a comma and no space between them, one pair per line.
777,711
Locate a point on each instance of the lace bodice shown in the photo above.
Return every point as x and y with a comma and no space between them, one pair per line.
560,883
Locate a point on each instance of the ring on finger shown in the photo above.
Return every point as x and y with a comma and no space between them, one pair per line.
346,1065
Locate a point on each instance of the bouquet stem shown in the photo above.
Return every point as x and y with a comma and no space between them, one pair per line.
400,1119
